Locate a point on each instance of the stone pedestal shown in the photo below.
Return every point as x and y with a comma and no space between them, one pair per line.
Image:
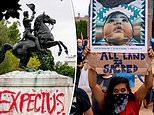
35,93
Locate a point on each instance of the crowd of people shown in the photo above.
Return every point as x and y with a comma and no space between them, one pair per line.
109,94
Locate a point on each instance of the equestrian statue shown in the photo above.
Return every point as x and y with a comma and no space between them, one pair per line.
35,40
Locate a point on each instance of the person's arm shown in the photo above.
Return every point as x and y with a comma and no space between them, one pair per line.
89,112
142,91
30,19
96,90
80,65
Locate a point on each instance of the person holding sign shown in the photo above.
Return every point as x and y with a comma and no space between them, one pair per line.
119,99
103,81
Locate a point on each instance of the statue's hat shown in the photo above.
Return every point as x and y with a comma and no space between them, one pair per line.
31,6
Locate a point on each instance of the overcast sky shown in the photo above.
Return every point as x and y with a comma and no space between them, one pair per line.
81,6
63,11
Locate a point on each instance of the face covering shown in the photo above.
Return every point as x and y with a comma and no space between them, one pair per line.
80,44
121,101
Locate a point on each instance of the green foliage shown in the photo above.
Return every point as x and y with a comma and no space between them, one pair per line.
81,29
8,34
9,64
65,69
46,61
13,33
34,62
3,33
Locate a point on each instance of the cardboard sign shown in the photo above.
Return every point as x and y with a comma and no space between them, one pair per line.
119,63
133,63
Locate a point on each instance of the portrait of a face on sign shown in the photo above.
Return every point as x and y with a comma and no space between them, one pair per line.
119,27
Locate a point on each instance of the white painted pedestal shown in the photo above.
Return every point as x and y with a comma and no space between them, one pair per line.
35,93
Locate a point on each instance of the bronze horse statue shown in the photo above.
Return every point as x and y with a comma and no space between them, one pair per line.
23,49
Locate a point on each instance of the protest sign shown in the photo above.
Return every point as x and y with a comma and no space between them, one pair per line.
119,63
119,26
125,58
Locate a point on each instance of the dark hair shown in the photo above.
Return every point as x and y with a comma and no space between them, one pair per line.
108,105
116,13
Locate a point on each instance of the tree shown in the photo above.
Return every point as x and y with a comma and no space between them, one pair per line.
8,34
9,8
9,64
81,29
65,69
3,32
46,61
14,33
34,62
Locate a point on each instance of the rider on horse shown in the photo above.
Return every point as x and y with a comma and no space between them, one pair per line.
40,41
28,31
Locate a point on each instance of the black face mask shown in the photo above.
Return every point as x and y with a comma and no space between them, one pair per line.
120,102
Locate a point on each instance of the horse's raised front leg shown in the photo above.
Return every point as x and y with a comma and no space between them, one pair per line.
66,51
54,43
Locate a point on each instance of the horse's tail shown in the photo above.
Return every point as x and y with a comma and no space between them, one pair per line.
3,50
